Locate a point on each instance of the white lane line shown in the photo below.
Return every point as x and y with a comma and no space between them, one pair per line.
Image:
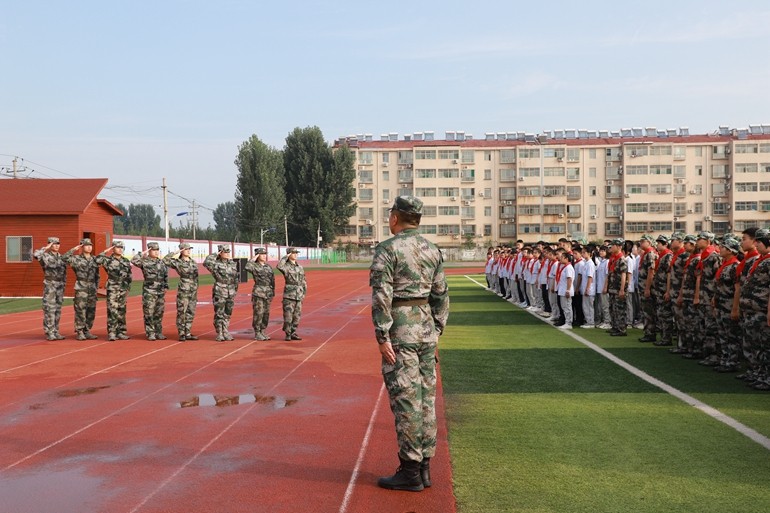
361,453
50,358
686,398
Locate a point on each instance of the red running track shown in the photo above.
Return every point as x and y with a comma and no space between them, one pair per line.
269,426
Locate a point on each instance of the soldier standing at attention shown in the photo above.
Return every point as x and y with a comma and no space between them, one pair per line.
118,284
705,287
186,291
87,281
750,254
674,285
754,312
410,307
225,272
262,293
54,280
664,316
647,261
686,301
293,293
153,290
729,342
616,287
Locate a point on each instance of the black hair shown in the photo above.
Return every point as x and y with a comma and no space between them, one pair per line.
750,231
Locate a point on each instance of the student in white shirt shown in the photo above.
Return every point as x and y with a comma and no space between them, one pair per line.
588,287
631,292
553,297
564,289
602,303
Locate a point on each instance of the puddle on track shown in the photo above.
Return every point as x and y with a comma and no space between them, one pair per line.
277,402
80,391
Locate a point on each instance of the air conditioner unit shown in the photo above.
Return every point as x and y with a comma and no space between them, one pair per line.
620,154
384,164
593,216
633,154
627,195
453,198
610,182
693,191
561,215
620,217
466,202
620,170
727,177
454,162
680,180
385,202
481,195
369,222
508,202
689,211
559,159
521,178
707,218
729,207
728,186
362,186
727,151
455,237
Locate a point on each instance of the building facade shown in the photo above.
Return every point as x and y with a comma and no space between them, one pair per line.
581,184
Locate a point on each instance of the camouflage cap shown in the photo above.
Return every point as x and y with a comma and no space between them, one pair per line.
648,238
152,245
118,244
617,242
86,242
705,235
184,245
291,250
690,238
408,205
663,239
53,240
762,233
223,248
260,251
677,236
731,244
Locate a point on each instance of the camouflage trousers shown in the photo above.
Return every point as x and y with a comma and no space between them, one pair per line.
85,310
292,312
618,312
185,311
690,327
261,310
53,296
707,328
758,335
678,331
730,337
153,306
223,309
411,385
116,311
746,344
649,315
664,314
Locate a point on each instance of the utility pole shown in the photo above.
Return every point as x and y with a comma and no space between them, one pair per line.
318,236
194,218
165,208
14,166
286,229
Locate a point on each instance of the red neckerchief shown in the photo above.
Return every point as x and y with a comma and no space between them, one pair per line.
578,259
614,261
689,259
647,250
757,261
751,254
544,267
561,268
663,253
703,256
727,262
550,265
678,252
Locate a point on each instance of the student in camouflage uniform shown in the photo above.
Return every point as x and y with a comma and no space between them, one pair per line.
54,280
663,313
691,347
616,287
87,281
729,342
119,279
262,293
187,290
293,293
750,254
647,261
410,307
225,272
154,289
754,312
675,278
705,287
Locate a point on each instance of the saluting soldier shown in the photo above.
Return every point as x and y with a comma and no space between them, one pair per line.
225,273
692,348
87,281
754,312
293,292
750,254
119,280
153,290
647,262
664,316
729,341
54,280
705,286
675,279
616,287
187,290
262,293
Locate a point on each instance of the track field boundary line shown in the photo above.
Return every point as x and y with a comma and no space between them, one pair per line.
682,396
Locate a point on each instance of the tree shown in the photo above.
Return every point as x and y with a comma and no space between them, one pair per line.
225,221
259,195
318,188
139,219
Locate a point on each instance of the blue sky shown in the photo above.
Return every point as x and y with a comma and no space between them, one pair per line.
138,90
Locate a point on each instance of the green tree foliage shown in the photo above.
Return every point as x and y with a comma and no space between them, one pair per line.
259,194
137,219
318,186
225,224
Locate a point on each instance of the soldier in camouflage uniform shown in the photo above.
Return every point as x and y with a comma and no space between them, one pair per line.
263,292
153,290
755,313
663,313
705,287
87,281
54,280
410,307
616,287
750,254
187,290
647,261
119,280
225,272
293,292
691,347
729,342
675,279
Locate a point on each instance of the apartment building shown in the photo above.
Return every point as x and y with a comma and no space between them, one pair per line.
581,184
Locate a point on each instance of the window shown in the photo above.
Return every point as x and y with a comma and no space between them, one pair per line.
366,213
425,192
366,231
467,156
508,230
488,174
405,175
746,148
764,206
612,228
427,229
745,168
554,228
487,230
448,211
386,176
554,190
18,249
468,175
573,173
680,209
718,189
660,170
425,173
698,207
348,229
719,152
613,210
636,189
746,206
507,175
405,157
446,192
507,193
425,154
764,186
680,171
488,156
573,192
529,153
612,191
764,148
507,212
386,194
698,226
405,191
448,173
365,177
487,211
573,155
636,227
680,226
660,226
449,154
592,210
660,188
680,190
364,157
529,228
529,191
507,156
429,210
696,190
612,172
469,229
660,150
385,158
528,171
636,151
552,210
660,208
592,190
592,171
449,229
365,194
468,193
488,192
591,228
552,171
552,153
680,152
592,153
529,210
746,187
636,208
719,209
573,211
637,170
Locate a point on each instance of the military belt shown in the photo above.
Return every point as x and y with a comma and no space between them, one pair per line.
410,302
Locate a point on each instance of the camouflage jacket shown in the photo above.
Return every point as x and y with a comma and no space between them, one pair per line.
86,270
688,280
708,273
677,274
187,270
615,275
155,273
646,266
225,273
755,290
659,281
725,289
54,266
407,266
264,279
296,286
118,271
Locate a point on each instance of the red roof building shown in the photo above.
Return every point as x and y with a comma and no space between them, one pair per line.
32,210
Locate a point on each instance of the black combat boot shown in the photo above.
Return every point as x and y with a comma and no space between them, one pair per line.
425,472
407,477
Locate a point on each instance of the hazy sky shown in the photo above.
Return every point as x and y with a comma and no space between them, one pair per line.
139,90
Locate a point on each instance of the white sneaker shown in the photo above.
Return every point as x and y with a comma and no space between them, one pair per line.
587,326
543,313
604,326
565,327
639,326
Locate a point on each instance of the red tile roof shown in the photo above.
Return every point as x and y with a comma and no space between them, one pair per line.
50,196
